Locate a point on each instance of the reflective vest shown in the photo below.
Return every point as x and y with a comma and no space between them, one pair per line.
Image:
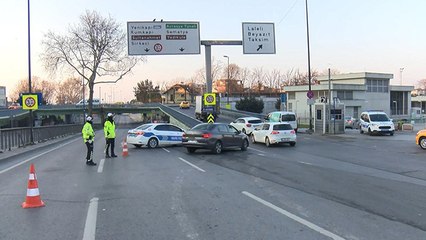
109,129
87,132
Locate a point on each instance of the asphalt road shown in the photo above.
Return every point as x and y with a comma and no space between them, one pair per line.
326,187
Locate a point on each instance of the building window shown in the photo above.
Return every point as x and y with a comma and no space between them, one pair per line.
290,107
291,95
345,95
319,115
336,113
377,85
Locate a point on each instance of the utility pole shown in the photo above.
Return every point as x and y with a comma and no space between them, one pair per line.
309,65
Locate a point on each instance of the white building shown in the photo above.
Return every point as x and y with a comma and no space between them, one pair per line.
358,91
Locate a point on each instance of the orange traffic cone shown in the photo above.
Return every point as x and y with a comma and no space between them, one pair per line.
125,150
33,199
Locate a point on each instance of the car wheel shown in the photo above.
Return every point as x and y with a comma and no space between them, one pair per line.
191,149
360,131
152,143
217,147
422,143
245,145
391,134
267,142
137,145
252,138
293,144
370,132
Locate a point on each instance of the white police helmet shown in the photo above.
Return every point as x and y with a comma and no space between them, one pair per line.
89,118
110,115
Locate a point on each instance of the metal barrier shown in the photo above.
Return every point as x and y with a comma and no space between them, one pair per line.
20,137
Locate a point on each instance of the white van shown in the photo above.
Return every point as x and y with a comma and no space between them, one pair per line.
95,102
280,116
375,122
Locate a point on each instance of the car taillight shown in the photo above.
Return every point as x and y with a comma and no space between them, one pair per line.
275,132
183,135
207,135
248,125
139,133
292,132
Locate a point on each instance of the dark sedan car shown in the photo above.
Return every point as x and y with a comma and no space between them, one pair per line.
214,136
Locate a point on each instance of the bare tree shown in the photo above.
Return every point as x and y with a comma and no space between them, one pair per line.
216,69
69,91
96,47
46,88
234,72
274,78
257,79
244,76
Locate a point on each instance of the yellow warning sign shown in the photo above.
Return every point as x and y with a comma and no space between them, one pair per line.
30,102
210,118
209,99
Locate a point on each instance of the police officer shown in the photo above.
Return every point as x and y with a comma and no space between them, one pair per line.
109,130
88,137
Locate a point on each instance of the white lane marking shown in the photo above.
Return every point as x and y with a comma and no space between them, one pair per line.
257,150
101,165
166,150
305,163
192,165
261,154
90,226
36,156
294,217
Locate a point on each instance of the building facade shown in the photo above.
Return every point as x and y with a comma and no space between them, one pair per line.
3,99
357,91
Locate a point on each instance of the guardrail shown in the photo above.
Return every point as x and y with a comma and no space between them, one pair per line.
20,137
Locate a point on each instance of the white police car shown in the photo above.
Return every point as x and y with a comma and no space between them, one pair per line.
375,122
153,135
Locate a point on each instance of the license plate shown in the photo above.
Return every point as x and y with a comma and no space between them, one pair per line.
192,141
285,139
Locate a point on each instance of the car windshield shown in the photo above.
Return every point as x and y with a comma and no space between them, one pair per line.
203,127
255,121
379,117
143,127
288,117
282,127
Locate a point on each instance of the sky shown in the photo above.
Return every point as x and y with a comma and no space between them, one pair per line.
350,36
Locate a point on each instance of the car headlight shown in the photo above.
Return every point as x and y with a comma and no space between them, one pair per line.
374,125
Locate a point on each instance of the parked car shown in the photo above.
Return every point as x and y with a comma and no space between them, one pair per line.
376,122
184,104
15,105
153,135
246,124
274,133
280,116
421,139
215,137
351,122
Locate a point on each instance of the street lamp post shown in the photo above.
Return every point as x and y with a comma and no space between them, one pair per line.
227,83
29,73
309,65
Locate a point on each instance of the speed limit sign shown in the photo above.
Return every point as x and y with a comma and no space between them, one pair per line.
30,102
209,99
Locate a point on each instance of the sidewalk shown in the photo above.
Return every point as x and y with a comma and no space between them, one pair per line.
22,150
